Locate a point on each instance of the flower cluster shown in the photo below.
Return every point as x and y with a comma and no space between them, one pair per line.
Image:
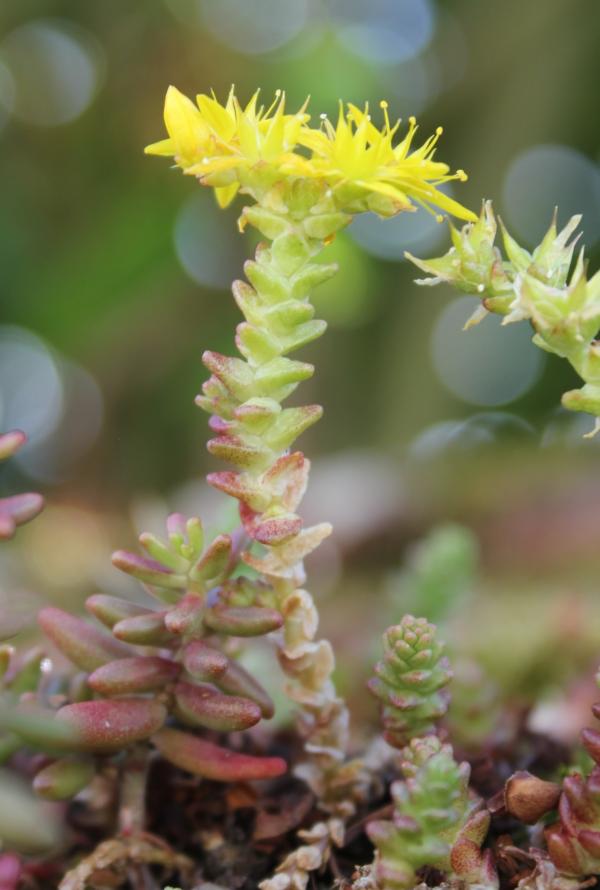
230,146
563,306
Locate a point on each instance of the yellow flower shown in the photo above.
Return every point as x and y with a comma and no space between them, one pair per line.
218,143
362,161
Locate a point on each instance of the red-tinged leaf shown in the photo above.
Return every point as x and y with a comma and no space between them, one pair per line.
202,705
138,674
242,621
236,486
144,630
204,662
64,778
84,645
215,559
591,741
212,761
237,681
148,571
11,442
16,510
10,871
110,609
271,531
107,725
186,617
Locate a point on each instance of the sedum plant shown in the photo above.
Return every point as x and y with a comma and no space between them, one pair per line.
300,185
560,302
436,822
410,681
161,679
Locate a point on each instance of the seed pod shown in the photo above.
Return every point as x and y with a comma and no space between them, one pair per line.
529,798
108,725
214,762
64,778
84,645
242,621
138,674
202,705
204,662
144,630
111,609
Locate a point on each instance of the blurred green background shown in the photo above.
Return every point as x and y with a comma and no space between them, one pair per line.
115,271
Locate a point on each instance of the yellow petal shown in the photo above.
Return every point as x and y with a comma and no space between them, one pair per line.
164,148
184,124
218,118
226,193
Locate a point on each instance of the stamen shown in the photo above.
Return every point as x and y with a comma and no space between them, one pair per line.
384,107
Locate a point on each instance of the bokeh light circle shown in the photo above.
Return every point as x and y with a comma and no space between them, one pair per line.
254,28
384,31
31,390
481,430
56,69
387,239
207,243
488,365
547,176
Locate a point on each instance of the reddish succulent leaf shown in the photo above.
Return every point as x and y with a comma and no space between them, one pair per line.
186,617
16,510
84,645
148,571
111,609
137,674
108,725
202,705
237,681
11,442
212,761
64,778
242,621
144,630
204,662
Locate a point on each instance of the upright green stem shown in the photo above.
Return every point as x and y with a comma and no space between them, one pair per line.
255,433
